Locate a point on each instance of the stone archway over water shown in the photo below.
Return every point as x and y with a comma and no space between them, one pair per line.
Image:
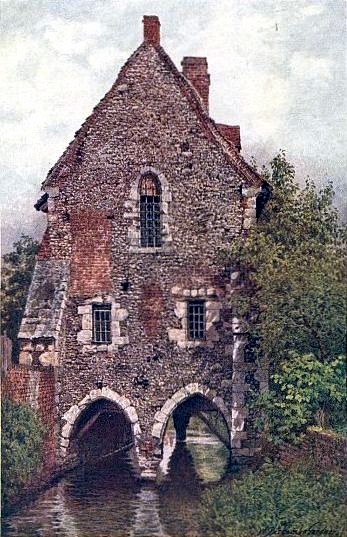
184,395
112,413
105,404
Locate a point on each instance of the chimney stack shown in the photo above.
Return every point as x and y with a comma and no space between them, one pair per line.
151,30
195,69
231,133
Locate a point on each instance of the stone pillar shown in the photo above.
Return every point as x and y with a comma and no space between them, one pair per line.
149,457
239,410
245,372
250,203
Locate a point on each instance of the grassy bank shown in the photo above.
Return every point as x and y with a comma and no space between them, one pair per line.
275,500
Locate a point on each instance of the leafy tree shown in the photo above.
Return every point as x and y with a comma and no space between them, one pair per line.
303,391
21,446
16,274
276,501
293,261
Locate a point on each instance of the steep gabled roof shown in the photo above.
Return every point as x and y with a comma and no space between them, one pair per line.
211,128
71,154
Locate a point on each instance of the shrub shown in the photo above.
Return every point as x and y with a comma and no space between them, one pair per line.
276,501
17,269
293,262
303,391
21,447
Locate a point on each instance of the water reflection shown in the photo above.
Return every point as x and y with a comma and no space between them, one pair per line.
180,494
108,502
147,518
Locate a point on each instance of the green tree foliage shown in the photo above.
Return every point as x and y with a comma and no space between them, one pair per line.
303,391
276,501
294,261
16,274
21,446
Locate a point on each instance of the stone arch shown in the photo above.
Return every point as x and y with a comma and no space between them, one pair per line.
162,416
132,211
71,416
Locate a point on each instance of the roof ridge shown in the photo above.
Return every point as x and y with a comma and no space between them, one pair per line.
195,102
242,165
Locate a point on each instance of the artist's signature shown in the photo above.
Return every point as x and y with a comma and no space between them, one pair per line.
312,532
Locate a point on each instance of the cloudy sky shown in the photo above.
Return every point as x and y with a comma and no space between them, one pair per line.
277,68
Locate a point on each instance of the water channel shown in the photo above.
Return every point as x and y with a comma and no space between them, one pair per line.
106,501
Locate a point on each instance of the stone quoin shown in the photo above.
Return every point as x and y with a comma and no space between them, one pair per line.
128,310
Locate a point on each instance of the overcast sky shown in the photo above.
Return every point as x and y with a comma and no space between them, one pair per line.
277,68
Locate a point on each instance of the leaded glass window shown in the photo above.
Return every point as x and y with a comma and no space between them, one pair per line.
196,319
102,323
150,220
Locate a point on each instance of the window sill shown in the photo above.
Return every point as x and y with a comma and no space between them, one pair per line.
150,250
97,347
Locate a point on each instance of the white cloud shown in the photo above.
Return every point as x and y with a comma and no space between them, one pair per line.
246,86
70,37
272,71
312,9
51,103
316,68
105,58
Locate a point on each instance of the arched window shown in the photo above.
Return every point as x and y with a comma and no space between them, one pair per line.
147,211
150,219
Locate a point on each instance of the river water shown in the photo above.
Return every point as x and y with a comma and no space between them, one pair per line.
106,501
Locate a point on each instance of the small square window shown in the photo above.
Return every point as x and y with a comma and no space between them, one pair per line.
102,323
196,319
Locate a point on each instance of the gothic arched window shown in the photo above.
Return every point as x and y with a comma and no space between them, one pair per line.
150,219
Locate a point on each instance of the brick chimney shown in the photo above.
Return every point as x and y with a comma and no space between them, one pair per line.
231,133
151,30
195,69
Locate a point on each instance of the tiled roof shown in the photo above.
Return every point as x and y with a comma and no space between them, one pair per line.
46,300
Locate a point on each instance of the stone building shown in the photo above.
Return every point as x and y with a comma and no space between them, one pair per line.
128,310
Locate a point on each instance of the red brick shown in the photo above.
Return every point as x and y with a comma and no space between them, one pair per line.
91,250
